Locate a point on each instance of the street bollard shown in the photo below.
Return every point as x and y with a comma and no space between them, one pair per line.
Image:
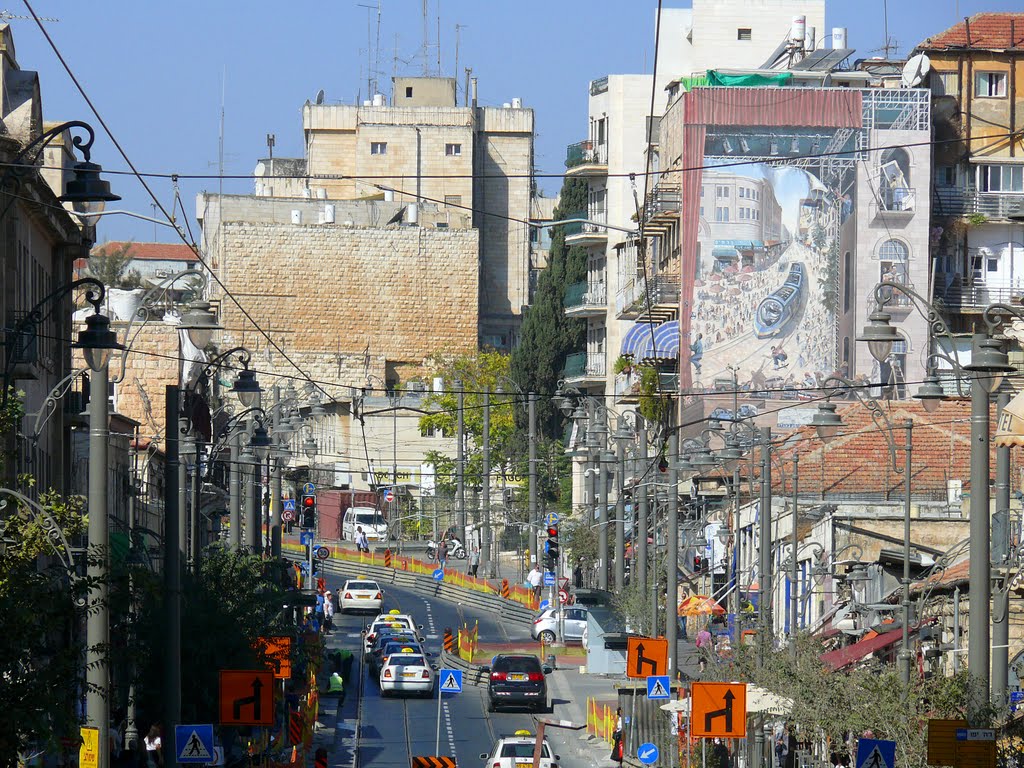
387,558
505,592
449,640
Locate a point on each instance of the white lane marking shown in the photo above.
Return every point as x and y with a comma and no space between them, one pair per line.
448,728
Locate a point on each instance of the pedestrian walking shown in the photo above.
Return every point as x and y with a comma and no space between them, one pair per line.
705,647
362,543
328,612
442,554
618,752
474,560
154,747
534,579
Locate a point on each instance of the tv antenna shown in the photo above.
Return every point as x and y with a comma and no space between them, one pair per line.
6,15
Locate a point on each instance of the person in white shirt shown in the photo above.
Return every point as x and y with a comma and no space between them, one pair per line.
328,611
154,747
534,578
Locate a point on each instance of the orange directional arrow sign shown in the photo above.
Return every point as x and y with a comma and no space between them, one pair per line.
646,656
246,697
719,709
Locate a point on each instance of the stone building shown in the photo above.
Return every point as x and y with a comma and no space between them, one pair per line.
424,149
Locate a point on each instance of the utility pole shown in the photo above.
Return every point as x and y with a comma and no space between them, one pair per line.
485,539
672,561
980,585
620,516
531,413
255,510
794,544
640,499
275,480
197,485
172,572
234,485
187,448
1000,552
905,656
764,580
460,459
603,459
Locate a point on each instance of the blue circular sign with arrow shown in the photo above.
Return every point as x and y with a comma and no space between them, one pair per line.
647,753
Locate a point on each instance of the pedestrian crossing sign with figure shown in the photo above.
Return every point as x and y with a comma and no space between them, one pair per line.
194,743
450,681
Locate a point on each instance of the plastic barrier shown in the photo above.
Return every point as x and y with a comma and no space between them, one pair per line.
600,720
449,640
387,558
505,592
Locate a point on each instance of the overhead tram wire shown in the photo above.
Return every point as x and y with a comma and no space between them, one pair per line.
473,176
155,199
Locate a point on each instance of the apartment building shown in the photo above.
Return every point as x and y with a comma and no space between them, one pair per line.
424,149
978,197
625,137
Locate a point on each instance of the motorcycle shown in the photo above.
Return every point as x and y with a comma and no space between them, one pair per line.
455,549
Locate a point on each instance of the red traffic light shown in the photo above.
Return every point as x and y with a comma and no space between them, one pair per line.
552,531
308,502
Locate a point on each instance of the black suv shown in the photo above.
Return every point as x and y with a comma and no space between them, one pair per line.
517,681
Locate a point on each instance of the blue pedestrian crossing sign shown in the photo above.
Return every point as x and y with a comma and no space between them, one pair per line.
549,579
289,505
647,753
658,687
450,681
438,574
194,743
876,753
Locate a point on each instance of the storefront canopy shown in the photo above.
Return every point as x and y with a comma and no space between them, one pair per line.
639,344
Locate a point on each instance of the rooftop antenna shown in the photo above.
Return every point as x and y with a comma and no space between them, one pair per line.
458,29
438,38
426,38
371,79
6,15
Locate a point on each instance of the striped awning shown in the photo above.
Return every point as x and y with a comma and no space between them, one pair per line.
666,342
636,338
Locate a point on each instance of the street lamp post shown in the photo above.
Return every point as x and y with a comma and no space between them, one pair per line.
97,342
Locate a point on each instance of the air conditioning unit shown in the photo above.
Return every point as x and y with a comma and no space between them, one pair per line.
441,225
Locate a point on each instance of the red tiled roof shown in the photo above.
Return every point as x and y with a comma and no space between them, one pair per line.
151,251
957,573
857,460
851,654
986,31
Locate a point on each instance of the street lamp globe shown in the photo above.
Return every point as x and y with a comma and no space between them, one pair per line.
200,322
731,454
989,363
931,393
260,443
880,335
309,448
87,192
97,341
247,388
827,422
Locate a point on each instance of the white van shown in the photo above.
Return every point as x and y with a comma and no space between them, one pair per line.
369,519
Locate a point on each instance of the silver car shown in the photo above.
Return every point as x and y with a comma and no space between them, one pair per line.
545,626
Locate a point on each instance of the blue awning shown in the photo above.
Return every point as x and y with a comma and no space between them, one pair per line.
666,342
635,339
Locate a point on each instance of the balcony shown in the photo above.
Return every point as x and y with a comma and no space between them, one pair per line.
627,385
973,296
585,158
588,234
586,299
894,203
662,207
960,201
632,301
584,369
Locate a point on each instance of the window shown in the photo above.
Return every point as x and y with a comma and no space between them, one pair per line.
378,147
725,192
893,251
743,213
408,91
1001,178
946,175
944,83
702,211
847,283
990,84
453,150
702,191
743,33
742,192
721,214
455,201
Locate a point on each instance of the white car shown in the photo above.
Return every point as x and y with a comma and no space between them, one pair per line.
407,671
517,750
545,626
360,595
387,620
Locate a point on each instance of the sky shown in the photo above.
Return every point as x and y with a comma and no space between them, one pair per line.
158,72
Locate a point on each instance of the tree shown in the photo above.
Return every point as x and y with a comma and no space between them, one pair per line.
110,265
547,336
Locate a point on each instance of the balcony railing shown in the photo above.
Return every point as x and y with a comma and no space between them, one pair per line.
582,295
961,295
665,198
632,298
897,199
959,201
586,153
580,365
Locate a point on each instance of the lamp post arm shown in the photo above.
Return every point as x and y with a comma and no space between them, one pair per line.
50,403
955,365
51,528
877,416
936,325
244,357
148,306
995,315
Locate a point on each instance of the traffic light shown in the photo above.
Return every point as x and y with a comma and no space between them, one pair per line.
700,564
551,547
307,507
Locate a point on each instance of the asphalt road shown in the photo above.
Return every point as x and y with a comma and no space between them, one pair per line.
392,730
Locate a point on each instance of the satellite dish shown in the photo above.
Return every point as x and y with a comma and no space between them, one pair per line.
915,69
319,96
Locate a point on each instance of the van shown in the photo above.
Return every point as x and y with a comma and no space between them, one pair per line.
369,519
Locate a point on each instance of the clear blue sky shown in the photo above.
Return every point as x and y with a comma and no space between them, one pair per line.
154,69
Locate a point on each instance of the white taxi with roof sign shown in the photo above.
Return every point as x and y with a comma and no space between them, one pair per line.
407,671
516,751
402,620
360,595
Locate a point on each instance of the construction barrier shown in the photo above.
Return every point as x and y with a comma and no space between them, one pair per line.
505,592
449,640
601,720
387,558
469,641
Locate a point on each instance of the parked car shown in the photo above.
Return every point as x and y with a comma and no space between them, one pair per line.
545,626
408,671
517,680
